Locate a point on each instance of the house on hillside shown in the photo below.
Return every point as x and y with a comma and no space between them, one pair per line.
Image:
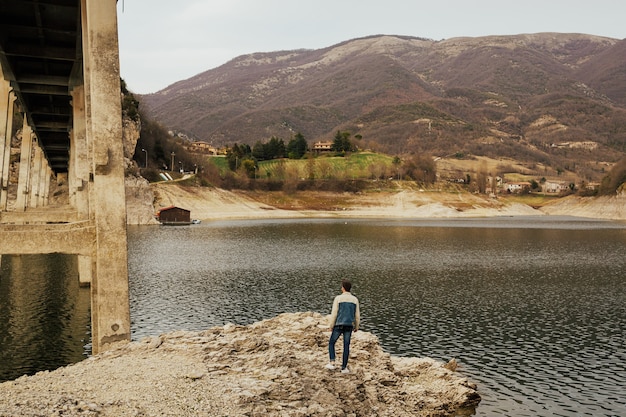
322,146
555,186
201,147
173,215
517,187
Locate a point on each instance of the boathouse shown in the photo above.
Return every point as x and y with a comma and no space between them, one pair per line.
173,215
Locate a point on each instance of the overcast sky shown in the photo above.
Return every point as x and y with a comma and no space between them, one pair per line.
165,41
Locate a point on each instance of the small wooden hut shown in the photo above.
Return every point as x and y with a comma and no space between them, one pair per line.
173,215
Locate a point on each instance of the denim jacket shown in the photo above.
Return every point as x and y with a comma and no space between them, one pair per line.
345,311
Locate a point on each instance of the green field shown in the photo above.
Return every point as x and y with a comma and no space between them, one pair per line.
354,166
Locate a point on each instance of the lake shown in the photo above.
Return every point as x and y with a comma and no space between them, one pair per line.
534,309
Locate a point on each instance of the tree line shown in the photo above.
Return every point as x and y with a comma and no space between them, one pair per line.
157,149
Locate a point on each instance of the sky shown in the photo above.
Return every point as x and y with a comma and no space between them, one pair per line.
165,41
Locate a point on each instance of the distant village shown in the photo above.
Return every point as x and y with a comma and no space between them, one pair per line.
545,186
209,149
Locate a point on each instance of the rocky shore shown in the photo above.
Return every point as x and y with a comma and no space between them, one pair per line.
273,367
218,204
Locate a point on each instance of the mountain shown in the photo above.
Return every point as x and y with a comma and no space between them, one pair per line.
547,98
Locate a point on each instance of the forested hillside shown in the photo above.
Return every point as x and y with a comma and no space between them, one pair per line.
552,100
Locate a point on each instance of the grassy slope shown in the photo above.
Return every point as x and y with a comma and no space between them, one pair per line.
368,165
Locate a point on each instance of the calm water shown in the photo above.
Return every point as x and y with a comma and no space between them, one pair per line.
44,314
534,309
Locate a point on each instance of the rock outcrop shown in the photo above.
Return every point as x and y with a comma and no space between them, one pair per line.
139,201
273,367
131,130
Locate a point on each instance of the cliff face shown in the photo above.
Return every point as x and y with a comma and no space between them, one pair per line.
130,131
139,201
274,367
139,195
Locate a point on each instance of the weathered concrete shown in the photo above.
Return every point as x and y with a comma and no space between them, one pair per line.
7,99
94,227
44,182
21,201
78,175
35,176
72,238
40,216
85,270
46,188
109,288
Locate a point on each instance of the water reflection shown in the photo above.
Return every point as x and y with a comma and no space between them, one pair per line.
44,315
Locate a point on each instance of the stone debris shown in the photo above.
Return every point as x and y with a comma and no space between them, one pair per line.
273,367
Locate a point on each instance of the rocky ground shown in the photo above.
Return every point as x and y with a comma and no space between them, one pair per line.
608,208
274,367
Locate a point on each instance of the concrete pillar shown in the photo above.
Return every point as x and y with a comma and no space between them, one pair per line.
110,313
7,99
43,179
71,171
35,176
78,176
46,190
21,202
85,270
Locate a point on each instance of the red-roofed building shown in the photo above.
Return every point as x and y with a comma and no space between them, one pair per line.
173,215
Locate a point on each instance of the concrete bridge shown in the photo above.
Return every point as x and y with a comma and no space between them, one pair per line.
60,73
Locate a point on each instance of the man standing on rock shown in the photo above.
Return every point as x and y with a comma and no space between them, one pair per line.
344,318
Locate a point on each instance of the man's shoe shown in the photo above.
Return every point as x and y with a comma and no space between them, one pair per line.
345,371
329,366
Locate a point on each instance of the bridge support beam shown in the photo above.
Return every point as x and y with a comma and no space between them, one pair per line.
78,175
7,99
44,182
21,201
110,314
70,238
35,176
93,227
85,270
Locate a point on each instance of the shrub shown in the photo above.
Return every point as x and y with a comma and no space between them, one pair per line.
151,174
614,179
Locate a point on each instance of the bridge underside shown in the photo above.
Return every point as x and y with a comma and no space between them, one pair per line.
60,81
42,56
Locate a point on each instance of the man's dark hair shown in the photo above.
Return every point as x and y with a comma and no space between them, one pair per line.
346,285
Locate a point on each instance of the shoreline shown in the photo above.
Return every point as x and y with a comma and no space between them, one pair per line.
218,204
271,367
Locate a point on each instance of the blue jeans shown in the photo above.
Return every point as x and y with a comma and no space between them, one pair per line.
346,331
